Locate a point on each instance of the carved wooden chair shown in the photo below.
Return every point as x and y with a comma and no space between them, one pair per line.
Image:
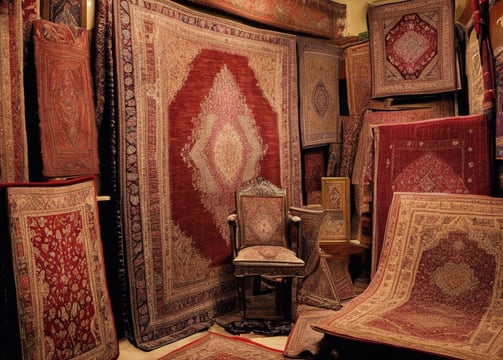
261,230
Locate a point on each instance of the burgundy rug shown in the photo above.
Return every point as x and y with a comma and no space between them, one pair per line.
438,287
214,346
63,305
68,134
448,155
13,144
412,48
201,111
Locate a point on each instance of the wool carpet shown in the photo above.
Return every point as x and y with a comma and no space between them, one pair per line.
315,17
58,270
13,143
449,155
68,134
319,92
213,346
412,48
438,288
201,111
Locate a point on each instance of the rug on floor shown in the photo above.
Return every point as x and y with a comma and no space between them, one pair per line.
213,346
438,286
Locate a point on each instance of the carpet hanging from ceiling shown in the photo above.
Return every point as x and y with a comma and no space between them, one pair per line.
68,134
200,111
320,18
448,155
217,346
438,288
320,123
13,140
412,48
58,271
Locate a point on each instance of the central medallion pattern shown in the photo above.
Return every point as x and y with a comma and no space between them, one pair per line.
226,147
411,45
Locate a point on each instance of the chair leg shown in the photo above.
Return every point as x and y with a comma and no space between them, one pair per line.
284,298
241,297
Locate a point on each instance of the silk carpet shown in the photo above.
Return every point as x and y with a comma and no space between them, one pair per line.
438,288
201,111
214,346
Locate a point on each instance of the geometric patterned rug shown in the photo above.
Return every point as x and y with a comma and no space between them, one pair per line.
214,346
200,111
447,155
438,288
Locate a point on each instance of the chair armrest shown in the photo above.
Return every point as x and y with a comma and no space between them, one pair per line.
232,220
296,221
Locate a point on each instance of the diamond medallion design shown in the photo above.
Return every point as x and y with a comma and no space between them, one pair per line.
455,279
321,99
411,45
226,147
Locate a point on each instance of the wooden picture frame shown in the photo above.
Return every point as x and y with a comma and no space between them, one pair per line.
335,197
74,13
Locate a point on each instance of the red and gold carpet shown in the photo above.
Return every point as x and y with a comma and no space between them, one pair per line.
13,144
358,77
68,134
412,48
215,346
63,305
438,288
315,17
448,155
201,111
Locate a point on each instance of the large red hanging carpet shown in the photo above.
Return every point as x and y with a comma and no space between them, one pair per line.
205,104
438,288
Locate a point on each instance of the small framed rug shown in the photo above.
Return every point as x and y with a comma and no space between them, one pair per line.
64,309
412,48
218,346
320,123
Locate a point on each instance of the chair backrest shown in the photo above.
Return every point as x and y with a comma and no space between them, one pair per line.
262,211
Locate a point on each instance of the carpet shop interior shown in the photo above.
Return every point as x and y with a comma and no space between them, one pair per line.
214,179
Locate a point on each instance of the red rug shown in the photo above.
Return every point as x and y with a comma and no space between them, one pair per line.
412,48
314,169
315,17
201,111
438,288
214,346
364,157
68,134
449,155
320,123
63,305
13,144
